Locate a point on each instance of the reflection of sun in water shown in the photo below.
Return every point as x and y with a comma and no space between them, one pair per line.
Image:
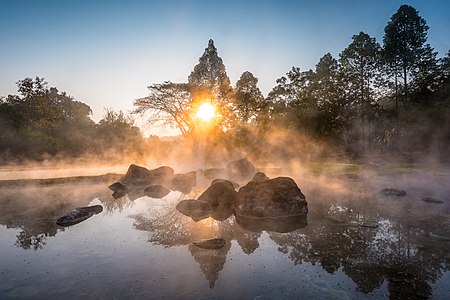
206,112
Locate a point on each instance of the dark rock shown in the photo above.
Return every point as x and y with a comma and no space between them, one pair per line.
183,182
156,191
273,198
240,170
79,215
119,193
432,200
117,186
235,184
280,224
139,175
219,193
196,209
216,243
393,192
214,173
260,177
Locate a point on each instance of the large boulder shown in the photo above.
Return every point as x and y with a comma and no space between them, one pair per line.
240,170
137,175
273,198
219,193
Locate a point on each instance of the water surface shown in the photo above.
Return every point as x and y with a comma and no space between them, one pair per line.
357,244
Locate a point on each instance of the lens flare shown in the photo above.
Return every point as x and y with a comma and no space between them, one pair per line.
206,111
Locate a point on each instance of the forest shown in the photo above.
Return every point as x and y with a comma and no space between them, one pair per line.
387,98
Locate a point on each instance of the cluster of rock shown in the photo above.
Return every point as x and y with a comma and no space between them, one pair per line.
260,201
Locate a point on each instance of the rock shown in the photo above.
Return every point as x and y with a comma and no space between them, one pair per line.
139,175
119,194
240,170
156,191
183,182
214,173
220,193
273,198
235,184
196,209
117,186
260,177
432,200
393,192
216,243
79,215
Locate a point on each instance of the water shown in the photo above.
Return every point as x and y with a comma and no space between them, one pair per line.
358,244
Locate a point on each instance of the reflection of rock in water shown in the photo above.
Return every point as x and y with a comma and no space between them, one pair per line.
211,262
34,208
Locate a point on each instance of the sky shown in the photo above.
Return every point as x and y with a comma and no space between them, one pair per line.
106,53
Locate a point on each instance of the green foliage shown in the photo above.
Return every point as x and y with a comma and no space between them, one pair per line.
45,123
249,101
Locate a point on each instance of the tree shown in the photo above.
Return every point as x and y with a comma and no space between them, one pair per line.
404,45
360,73
249,101
209,80
168,104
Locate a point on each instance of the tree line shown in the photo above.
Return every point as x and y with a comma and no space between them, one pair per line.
378,98
389,97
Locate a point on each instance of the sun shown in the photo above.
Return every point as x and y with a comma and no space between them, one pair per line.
206,111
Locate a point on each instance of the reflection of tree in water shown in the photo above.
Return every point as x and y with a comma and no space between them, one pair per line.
34,209
401,254
168,228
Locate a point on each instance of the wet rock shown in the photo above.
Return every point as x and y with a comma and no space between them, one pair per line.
240,170
196,209
117,186
235,184
220,193
260,177
393,192
183,182
216,243
139,175
277,197
156,191
432,200
79,215
119,193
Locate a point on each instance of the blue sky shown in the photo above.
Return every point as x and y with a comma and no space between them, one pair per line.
105,53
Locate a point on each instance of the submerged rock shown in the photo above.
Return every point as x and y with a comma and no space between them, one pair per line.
393,192
156,191
79,215
273,198
216,243
240,170
432,200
